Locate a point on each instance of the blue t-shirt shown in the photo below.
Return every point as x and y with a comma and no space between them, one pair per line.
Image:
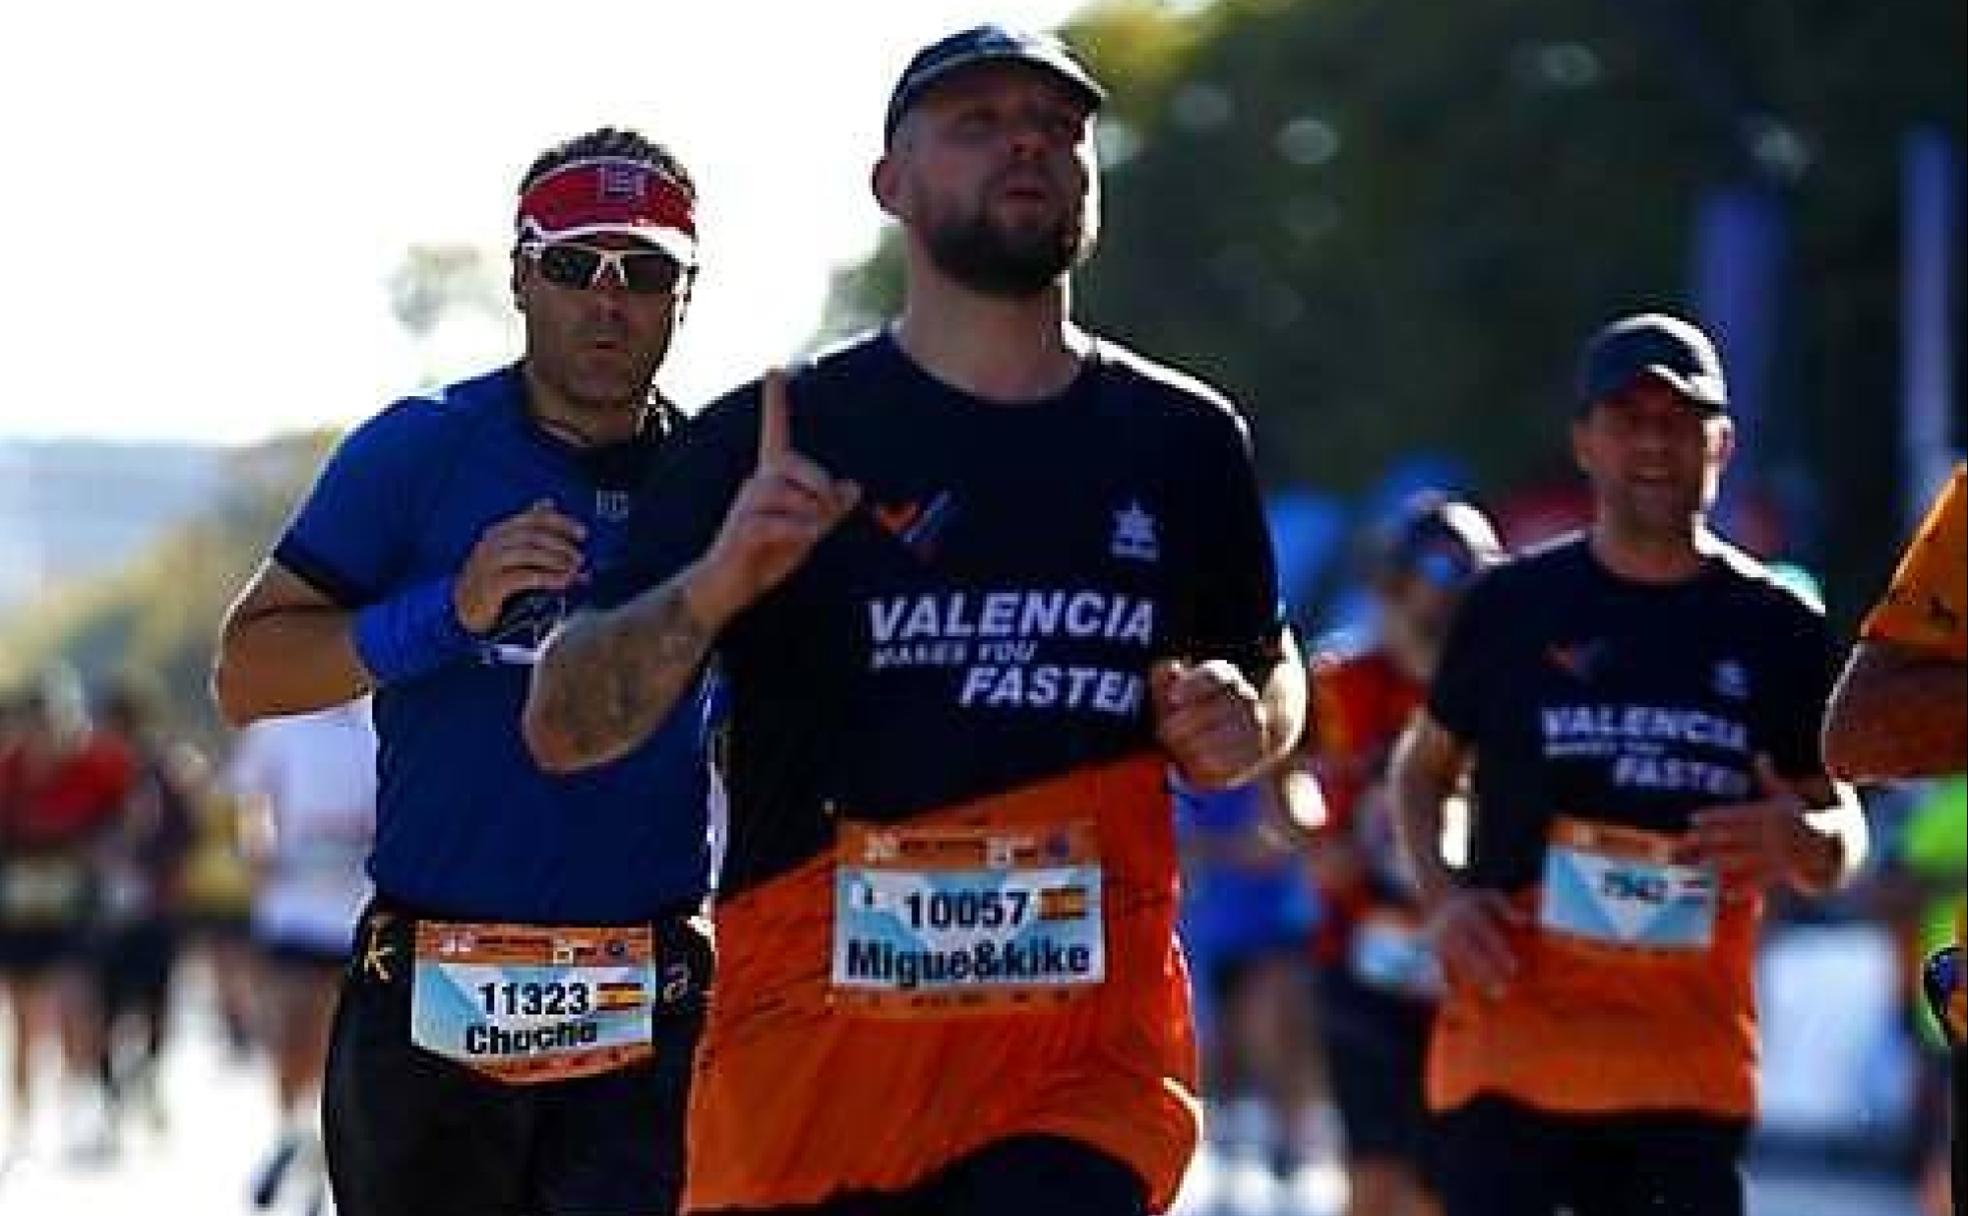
466,824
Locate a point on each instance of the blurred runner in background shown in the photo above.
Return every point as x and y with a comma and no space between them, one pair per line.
63,785
1248,912
308,784
141,864
1378,979
1638,709
215,903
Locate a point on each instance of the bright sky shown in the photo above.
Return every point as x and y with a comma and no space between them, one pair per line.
210,195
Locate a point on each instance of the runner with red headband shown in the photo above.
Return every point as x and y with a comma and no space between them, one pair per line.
523,996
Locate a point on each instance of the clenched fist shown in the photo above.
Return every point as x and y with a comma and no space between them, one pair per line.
538,549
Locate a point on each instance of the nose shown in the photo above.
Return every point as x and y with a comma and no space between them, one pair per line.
1654,434
1032,133
1028,140
606,300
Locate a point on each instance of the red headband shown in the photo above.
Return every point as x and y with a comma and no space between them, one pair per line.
611,195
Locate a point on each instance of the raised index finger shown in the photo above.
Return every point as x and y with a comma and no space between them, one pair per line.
775,417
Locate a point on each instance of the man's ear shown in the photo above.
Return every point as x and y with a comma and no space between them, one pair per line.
1581,448
1723,440
886,183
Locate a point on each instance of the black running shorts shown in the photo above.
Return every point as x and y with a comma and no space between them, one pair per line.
409,1133
1025,1176
1501,1158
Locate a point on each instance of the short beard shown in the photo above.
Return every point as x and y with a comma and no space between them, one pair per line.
983,257
1638,525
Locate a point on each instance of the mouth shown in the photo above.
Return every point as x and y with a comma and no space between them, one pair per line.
1656,485
1026,188
605,356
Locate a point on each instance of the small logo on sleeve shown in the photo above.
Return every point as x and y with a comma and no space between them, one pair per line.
1732,680
1134,534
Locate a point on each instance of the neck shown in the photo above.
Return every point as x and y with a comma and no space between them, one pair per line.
1651,557
579,424
1003,351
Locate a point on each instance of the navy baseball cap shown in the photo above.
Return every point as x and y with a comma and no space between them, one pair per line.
1653,344
988,44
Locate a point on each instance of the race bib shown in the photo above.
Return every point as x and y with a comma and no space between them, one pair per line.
44,891
934,921
1388,953
1620,888
527,1004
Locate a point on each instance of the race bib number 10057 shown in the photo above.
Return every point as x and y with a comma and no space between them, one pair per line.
932,921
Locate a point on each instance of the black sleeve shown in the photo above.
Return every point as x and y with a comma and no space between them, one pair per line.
1809,664
1455,696
682,503
1237,611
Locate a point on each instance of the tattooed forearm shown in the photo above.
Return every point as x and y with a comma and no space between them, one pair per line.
609,678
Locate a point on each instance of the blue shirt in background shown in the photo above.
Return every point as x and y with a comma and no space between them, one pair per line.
1233,911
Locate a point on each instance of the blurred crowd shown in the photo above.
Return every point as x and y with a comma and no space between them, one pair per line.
127,853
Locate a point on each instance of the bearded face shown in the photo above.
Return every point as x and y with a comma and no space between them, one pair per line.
994,173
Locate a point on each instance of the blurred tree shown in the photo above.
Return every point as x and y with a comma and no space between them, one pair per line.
435,281
158,617
1387,227
433,278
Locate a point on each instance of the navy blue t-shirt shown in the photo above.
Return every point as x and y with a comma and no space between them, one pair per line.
986,618
467,825
1588,695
